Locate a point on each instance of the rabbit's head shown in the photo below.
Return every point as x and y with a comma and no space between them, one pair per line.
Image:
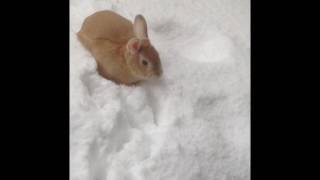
142,58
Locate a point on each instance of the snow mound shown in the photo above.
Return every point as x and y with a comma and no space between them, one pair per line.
193,123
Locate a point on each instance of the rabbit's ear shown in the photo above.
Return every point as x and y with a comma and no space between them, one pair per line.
140,27
134,45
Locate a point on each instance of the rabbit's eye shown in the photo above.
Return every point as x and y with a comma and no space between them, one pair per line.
144,62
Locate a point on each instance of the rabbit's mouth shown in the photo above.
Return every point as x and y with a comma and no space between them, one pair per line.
140,76
155,76
147,76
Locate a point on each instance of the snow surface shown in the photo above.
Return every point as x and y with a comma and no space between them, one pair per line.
193,123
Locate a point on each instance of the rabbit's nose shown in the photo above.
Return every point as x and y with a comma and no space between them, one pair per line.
159,72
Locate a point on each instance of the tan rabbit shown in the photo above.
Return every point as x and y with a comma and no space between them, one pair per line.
122,50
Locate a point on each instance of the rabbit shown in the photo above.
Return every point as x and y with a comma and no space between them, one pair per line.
122,50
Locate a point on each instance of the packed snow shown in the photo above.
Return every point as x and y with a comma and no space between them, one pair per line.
193,123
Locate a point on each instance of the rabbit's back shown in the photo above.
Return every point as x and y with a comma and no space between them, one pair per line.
107,25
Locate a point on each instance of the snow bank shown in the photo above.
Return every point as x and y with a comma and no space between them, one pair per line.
193,123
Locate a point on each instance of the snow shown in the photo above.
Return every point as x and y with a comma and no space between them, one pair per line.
193,123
